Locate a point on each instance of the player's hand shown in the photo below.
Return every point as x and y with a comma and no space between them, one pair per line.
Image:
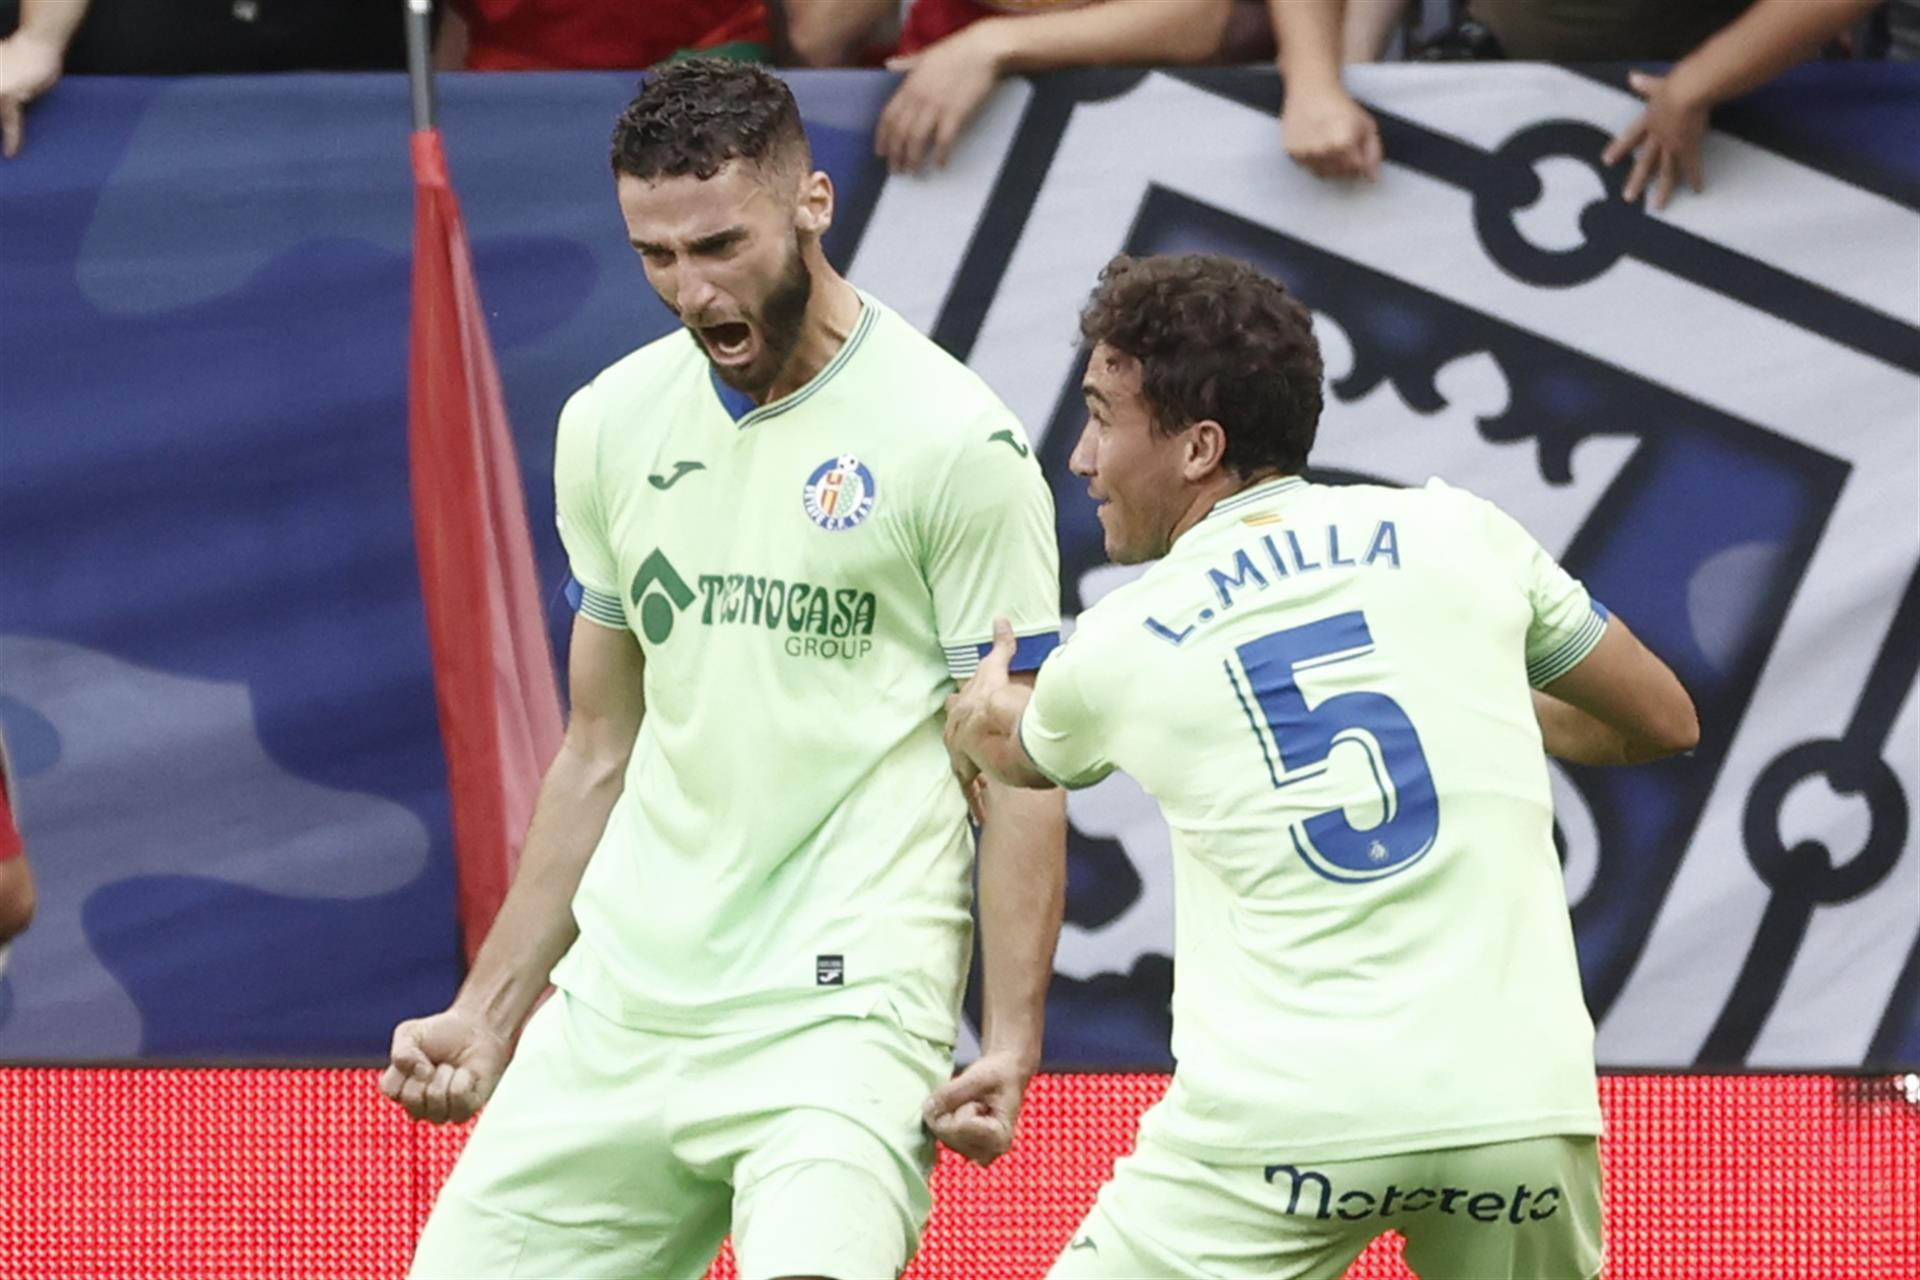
970,712
946,85
976,1111
1666,138
444,1067
1331,134
29,66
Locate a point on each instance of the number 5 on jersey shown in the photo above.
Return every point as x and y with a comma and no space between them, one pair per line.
1304,737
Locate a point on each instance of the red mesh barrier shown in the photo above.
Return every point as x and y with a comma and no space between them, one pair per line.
210,1174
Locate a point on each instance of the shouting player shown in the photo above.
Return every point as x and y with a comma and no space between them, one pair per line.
1377,1015
792,521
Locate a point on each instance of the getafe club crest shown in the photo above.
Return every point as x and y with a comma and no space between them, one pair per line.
839,494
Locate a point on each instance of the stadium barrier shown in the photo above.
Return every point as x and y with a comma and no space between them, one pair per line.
259,1173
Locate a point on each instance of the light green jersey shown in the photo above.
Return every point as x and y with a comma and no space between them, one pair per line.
1326,689
807,579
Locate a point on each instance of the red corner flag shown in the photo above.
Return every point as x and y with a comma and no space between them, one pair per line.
492,667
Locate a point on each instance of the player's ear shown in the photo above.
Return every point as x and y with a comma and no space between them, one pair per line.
1206,450
813,211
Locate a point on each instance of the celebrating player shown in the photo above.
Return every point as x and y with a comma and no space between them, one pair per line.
1377,1015
792,521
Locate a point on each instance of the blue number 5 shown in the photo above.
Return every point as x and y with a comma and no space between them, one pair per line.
1305,737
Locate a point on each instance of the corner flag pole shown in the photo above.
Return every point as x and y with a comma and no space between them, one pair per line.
493,674
419,19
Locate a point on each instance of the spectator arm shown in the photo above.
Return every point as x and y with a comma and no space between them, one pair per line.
1761,43
1309,32
53,21
828,33
1111,32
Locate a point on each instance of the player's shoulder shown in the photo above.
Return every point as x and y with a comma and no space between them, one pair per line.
948,398
1436,501
658,366
648,377
1116,622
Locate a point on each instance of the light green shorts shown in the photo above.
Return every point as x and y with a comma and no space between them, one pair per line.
1526,1210
611,1152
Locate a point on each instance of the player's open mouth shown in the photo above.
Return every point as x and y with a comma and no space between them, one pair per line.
729,343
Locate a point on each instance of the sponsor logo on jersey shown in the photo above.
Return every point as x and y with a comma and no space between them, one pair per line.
1313,1192
830,971
661,593
839,494
820,620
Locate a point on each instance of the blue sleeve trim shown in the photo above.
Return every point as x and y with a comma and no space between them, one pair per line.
1028,651
1544,670
603,609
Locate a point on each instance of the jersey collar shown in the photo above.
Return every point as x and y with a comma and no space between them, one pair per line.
745,413
1254,495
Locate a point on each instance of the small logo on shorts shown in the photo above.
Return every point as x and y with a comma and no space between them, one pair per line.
830,971
839,494
1084,1242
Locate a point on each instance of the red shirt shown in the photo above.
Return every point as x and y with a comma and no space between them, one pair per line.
563,35
931,21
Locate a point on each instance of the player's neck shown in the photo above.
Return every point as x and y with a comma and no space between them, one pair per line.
832,312
1212,491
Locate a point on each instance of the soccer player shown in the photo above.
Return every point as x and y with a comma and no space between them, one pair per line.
791,521
1339,696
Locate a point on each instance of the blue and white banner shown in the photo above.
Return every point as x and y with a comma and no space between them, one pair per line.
213,665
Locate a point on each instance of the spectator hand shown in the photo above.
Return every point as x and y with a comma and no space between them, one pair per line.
444,1067
945,87
1331,134
976,1111
29,66
1667,137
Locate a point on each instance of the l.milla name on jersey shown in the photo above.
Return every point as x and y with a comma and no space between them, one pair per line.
820,621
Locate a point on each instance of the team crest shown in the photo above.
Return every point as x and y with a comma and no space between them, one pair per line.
839,494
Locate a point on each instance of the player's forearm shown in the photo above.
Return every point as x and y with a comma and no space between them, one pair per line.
1023,878
52,21
996,745
535,925
1310,36
1113,32
1761,43
1578,737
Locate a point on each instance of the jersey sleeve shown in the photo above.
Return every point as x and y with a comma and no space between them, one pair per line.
579,513
1567,622
990,550
1059,729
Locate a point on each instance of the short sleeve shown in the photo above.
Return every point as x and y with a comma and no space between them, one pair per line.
1567,622
991,551
579,512
1059,730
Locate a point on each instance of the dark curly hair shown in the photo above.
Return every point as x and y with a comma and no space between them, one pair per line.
693,116
1215,339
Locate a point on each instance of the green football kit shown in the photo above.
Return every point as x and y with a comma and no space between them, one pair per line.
781,898
1327,689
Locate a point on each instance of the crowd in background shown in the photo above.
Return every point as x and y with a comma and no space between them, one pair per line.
951,53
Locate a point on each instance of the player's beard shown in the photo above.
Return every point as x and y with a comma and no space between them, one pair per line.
782,316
